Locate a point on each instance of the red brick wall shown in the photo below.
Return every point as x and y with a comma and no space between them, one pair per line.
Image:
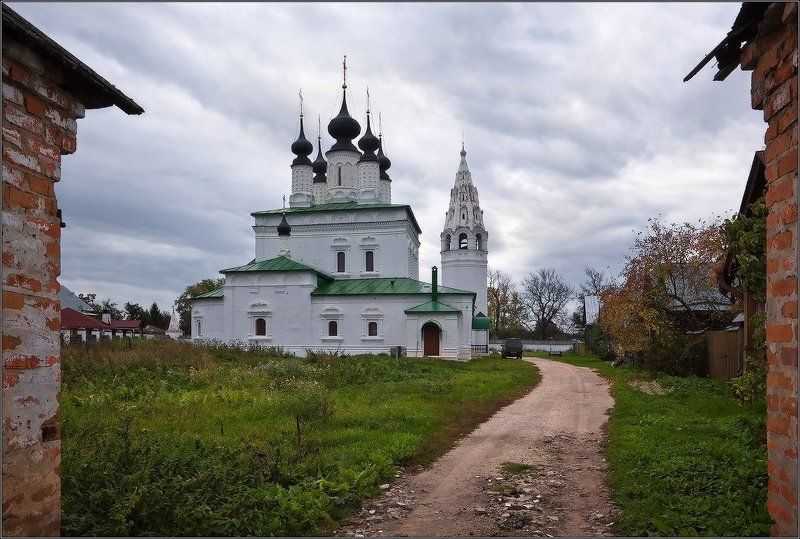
38,128
773,58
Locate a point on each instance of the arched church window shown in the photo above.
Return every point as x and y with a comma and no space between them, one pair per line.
333,328
340,262
478,242
372,329
261,327
463,243
369,261
447,241
339,175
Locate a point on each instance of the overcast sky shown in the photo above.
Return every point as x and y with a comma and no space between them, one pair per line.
578,126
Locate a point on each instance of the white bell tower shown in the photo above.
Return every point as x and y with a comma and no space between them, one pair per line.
465,241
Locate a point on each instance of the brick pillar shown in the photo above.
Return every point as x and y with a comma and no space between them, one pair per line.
38,128
773,58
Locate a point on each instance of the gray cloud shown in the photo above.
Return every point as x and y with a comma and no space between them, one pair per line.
577,123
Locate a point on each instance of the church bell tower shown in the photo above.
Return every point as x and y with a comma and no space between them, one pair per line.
465,241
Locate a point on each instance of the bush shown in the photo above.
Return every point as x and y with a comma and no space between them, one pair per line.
307,403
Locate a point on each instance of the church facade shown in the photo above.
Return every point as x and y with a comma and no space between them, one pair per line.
338,270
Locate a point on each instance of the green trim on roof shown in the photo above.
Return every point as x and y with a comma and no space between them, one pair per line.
279,263
216,293
338,206
433,307
480,322
380,286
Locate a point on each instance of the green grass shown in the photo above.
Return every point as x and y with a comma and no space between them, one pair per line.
168,439
689,462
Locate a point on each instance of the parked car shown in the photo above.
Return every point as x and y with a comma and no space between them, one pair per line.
512,348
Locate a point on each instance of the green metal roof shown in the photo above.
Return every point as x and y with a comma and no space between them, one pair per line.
480,321
279,263
338,206
216,293
380,286
433,307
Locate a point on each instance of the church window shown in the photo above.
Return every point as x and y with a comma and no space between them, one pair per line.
463,216
340,267
372,329
333,328
339,175
261,327
462,241
369,261
478,242
447,241
199,328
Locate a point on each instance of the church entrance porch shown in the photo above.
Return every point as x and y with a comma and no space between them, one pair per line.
430,339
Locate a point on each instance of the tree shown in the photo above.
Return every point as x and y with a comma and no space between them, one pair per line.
499,291
157,317
134,311
545,295
596,281
667,290
183,304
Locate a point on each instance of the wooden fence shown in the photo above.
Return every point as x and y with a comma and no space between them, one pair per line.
725,353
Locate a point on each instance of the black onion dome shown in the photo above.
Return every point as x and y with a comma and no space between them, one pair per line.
344,128
283,227
320,166
383,162
368,144
302,148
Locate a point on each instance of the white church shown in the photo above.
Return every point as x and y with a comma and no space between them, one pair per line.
338,270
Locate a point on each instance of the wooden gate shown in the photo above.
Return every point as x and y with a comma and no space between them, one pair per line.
725,354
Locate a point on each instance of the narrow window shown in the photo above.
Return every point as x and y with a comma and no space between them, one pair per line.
462,241
370,261
261,327
340,262
447,242
372,329
199,328
333,328
478,242
339,174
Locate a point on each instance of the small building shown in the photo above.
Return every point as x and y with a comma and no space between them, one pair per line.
77,327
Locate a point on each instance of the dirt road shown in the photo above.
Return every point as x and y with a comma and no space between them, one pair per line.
556,486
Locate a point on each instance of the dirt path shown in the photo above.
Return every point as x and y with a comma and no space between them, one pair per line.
556,434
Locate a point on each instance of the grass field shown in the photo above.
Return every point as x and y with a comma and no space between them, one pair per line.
163,438
685,457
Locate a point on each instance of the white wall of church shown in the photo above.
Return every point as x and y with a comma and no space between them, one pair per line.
317,238
297,321
208,319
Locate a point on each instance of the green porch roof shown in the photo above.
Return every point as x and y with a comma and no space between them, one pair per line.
433,307
380,286
337,206
216,293
279,263
480,321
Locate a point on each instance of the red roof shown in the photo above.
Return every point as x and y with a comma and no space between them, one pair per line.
72,319
126,324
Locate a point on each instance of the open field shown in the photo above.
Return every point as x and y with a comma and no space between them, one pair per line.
685,457
168,439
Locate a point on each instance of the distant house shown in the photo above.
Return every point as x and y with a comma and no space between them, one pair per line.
78,327
726,278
